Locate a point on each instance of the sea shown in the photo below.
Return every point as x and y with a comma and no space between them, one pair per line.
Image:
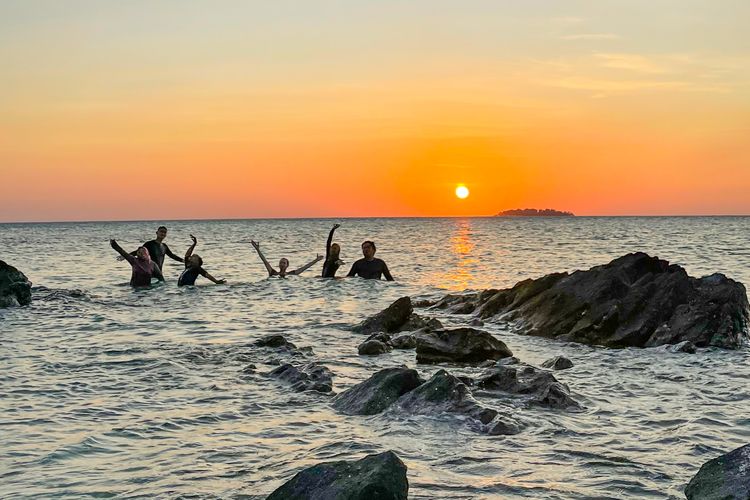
111,392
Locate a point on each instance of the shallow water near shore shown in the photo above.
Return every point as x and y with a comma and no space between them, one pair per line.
106,391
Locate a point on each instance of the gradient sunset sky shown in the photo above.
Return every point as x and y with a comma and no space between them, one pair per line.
183,109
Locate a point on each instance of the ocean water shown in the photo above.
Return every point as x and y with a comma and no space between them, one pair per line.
110,392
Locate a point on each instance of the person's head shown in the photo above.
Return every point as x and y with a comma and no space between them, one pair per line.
142,253
195,261
283,264
335,251
368,249
161,233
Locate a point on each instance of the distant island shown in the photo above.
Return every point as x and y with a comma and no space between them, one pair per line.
534,212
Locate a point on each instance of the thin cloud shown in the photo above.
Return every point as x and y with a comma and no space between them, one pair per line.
630,62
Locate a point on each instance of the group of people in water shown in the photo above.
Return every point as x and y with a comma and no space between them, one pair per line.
147,262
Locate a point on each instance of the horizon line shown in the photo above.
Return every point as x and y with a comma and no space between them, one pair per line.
220,219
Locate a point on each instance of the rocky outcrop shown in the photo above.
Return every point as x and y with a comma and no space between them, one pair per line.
15,287
459,345
558,363
274,341
634,301
377,392
444,393
389,320
373,348
685,346
380,476
724,478
405,341
521,379
309,377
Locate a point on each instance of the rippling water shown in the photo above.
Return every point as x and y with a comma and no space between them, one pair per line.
107,391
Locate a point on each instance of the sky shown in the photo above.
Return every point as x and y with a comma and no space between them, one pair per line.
168,109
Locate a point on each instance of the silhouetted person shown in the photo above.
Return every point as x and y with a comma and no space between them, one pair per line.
158,249
283,264
370,268
143,267
332,261
194,268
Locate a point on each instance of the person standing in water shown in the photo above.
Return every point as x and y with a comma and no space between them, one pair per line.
332,261
283,264
158,249
143,267
194,268
370,268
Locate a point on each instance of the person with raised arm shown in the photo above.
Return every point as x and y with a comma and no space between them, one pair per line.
143,267
283,264
332,261
158,249
194,268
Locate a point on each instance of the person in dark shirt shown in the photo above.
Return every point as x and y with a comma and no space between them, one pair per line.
143,267
194,268
283,264
370,268
332,261
158,249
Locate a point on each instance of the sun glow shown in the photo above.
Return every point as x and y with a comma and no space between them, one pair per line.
462,191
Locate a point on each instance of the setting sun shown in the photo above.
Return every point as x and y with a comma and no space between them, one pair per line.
462,191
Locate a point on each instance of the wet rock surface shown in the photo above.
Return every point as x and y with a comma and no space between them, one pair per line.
558,363
389,320
380,476
522,379
459,345
373,348
15,287
444,393
724,478
309,377
634,301
405,341
274,341
377,392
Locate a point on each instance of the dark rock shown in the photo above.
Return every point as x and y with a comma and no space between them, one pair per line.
274,341
422,303
373,348
686,347
15,287
250,368
558,363
459,345
380,476
377,392
444,393
405,341
310,377
417,322
380,336
522,379
389,320
634,301
476,322
467,381
724,478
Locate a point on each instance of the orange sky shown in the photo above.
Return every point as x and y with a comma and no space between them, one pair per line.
169,110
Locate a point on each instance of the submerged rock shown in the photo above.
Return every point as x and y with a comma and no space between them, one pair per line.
558,363
524,379
444,393
373,348
380,476
459,345
377,392
686,347
15,287
634,301
724,478
274,340
388,320
310,377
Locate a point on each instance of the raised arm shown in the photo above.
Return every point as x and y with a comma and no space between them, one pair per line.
307,266
330,239
168,252
207,275
125,255
271,270
190,250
